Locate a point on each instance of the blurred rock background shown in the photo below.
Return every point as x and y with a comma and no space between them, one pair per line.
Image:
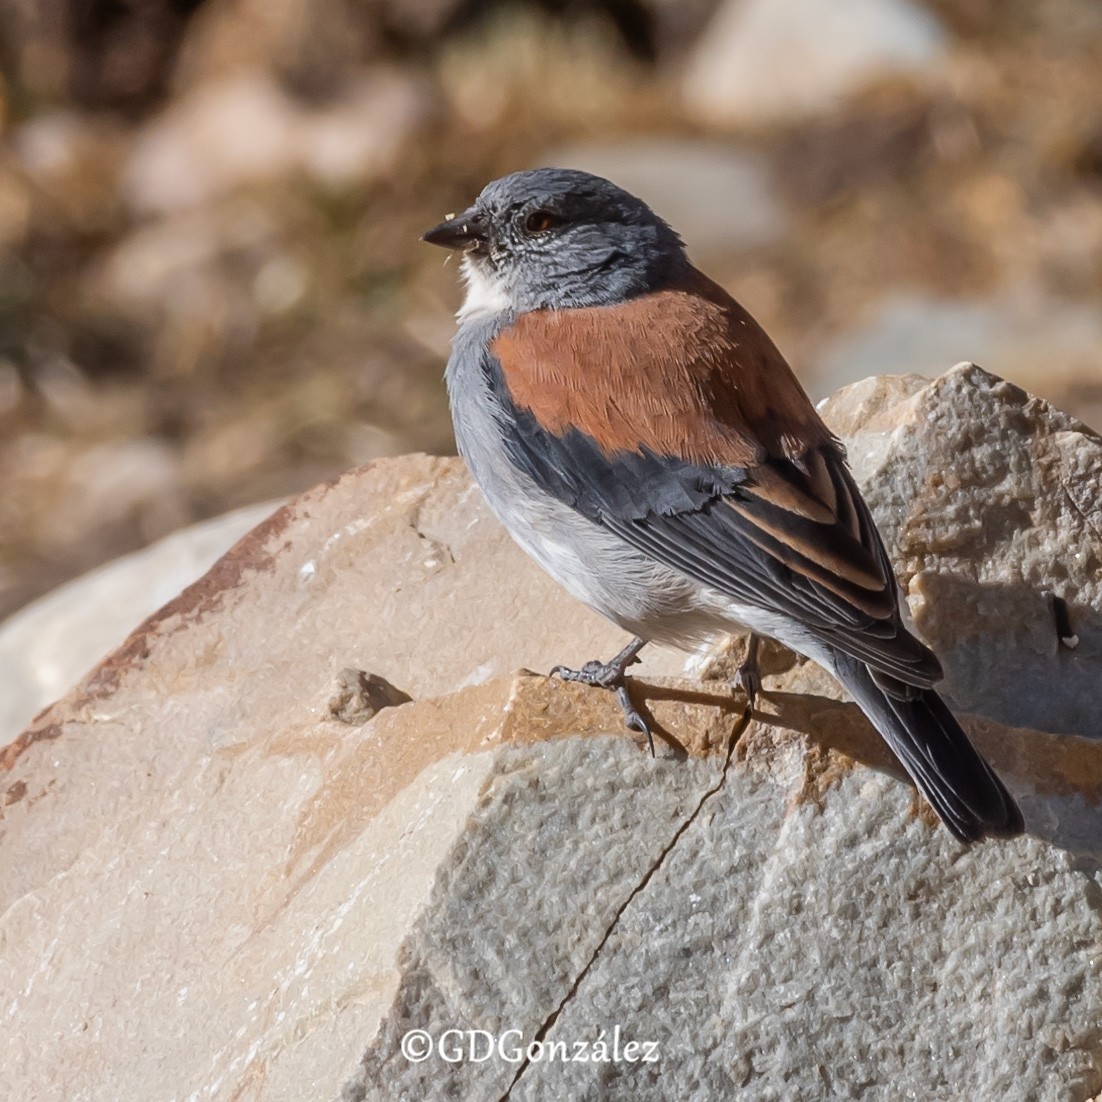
211,286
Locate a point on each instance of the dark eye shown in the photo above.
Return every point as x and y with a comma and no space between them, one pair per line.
540,221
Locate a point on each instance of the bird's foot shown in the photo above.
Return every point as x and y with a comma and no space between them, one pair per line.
610,675
748,675
605,675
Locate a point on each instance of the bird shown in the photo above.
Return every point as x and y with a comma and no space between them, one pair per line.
642,438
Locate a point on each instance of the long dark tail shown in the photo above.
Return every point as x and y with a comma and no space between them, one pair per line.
949,771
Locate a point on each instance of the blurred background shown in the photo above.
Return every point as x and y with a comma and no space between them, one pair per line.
211,286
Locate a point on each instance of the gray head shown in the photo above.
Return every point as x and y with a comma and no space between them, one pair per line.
553,238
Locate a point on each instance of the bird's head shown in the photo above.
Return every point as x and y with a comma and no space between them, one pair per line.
555,238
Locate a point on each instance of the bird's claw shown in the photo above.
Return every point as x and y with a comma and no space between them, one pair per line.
610,675
748,675
632,718
605,675
749,680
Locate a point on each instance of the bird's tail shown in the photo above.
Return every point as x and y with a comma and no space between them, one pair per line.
931,745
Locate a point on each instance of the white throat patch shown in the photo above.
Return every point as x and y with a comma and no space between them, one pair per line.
485,294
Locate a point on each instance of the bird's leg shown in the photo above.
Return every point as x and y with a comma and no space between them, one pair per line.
610,675
748,675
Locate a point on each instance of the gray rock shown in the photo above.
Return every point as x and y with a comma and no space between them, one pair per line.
720,199
764,60
989,502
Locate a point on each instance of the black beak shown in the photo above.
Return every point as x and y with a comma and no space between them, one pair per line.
461,232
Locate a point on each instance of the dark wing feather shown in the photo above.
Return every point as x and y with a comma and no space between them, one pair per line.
788,537
717,546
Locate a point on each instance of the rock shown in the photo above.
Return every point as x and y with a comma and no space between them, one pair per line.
360,696
180,266
47,646
762,61
199,861
1028,338
720,199
244,130
988,501
105,484
72,159
72,501
199,282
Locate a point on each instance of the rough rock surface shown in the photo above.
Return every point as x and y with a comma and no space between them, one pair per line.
211,888
764,60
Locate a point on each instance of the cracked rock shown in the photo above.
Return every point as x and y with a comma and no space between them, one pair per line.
211,887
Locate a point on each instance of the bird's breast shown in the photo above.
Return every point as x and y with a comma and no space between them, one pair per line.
595,566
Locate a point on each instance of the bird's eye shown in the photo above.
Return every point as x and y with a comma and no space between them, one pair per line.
540,221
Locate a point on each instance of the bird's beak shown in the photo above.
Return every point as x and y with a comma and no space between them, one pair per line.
464,231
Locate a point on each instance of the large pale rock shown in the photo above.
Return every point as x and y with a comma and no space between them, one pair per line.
240,846
989,502
764,60
212,887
